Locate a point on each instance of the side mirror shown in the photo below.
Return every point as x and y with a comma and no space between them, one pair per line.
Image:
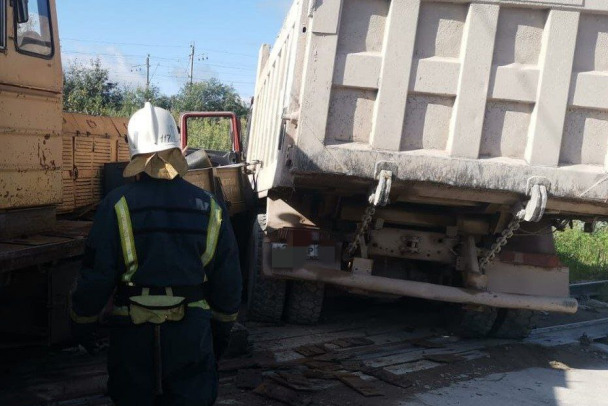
22,11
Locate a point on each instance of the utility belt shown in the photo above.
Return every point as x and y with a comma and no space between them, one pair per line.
157,305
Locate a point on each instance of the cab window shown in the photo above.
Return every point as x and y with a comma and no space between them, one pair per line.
214,135
210,133
34,36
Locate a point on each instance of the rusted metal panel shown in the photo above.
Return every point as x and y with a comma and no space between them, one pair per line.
100,126
89,142
67,173
480,94
20,189
230,179
233,186
29,112
410,244
30,158
69,125
123,151
202,178
122,145
121,125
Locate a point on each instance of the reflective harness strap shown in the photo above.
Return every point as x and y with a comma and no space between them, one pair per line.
213,232
127,242
126,239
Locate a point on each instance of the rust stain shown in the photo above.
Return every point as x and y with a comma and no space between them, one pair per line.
42,159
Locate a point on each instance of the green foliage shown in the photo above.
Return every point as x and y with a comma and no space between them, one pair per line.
89,90
209,95
134,99
584,253
211,134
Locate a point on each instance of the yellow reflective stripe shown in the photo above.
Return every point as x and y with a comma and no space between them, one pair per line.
213,232
223,316
201,304
126,238
83,319
120,311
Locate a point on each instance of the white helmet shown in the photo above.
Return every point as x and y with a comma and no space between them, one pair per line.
152,129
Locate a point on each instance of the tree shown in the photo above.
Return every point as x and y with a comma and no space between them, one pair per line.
88,89
209,95
134,99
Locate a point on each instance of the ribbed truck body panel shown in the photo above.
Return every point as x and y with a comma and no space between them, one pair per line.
476,95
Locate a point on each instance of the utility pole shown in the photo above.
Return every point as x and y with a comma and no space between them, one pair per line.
191,62
148,73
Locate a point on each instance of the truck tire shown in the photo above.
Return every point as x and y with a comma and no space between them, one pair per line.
471,322
514,323
304,302
265,297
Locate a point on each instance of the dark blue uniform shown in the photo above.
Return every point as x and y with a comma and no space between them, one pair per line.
174,247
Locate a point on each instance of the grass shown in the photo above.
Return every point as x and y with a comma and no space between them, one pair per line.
213,134
586,254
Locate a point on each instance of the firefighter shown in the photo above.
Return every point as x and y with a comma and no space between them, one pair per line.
165,251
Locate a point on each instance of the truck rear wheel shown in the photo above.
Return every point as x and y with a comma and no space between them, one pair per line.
265,297
305,302
514,323
471,322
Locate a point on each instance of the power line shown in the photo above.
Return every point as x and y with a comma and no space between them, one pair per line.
156,46
195,79
122,43
177,60
116,55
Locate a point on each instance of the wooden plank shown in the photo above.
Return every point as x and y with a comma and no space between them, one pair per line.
20,257
37,240
419,354
15,223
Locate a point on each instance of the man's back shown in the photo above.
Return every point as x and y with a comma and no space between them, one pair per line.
170,223
165,250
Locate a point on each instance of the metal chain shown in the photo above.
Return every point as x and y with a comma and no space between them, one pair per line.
379,197
501,241
366,220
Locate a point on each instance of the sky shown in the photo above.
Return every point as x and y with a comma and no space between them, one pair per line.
227,35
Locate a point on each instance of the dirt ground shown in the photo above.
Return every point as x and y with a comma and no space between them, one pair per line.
551,368
363,352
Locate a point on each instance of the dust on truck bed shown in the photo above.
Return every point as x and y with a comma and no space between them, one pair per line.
493,96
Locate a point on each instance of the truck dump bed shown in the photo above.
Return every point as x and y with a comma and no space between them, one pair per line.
456,96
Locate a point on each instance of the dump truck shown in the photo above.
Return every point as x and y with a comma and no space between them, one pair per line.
56,166
428,149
